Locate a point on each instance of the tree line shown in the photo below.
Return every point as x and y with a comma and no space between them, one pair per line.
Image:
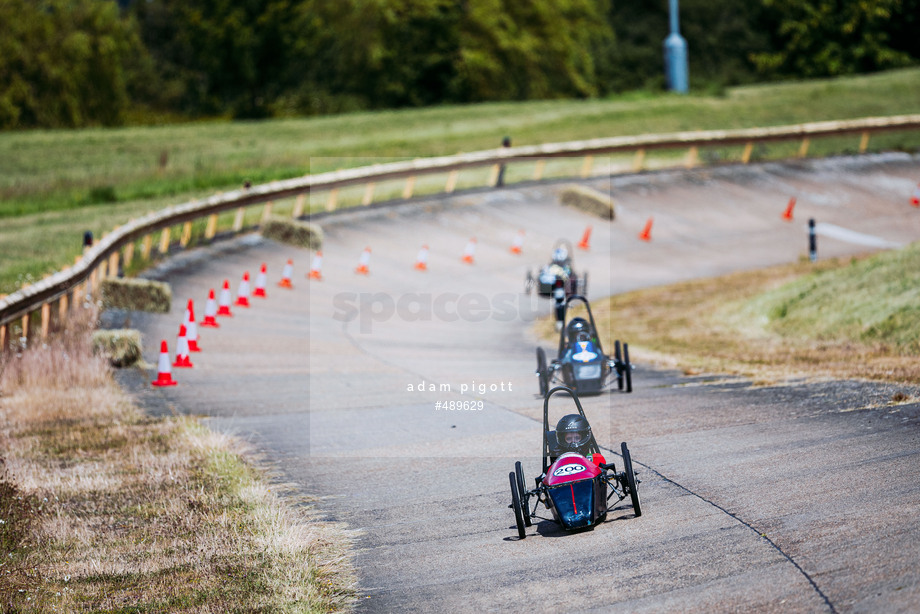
73,63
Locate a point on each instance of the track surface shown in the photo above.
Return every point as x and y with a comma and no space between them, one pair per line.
800,498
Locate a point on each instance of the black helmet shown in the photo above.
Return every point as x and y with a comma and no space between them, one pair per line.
573,433
576,326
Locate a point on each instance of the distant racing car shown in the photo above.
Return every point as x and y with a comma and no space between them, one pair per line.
580,361
577,483
558,273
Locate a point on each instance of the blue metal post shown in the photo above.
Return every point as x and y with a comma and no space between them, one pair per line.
675,55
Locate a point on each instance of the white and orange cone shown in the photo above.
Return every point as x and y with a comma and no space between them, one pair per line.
364,262
421,261
787,214
646,234
242,295
182,357
518,244
585,242
164,372
191,328
316,269
210,310
469,251
915,198
260,282
223,305
286,273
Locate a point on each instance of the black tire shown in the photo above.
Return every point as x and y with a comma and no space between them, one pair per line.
528,283
619,362
631,479
542,372
628,370
516,505
519,474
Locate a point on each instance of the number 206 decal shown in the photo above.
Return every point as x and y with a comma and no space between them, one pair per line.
568,470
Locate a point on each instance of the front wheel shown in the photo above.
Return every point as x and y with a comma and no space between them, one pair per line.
628,367
542,372
630,479
516,506
519,475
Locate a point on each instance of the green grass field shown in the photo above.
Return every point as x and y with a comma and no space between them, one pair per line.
56,184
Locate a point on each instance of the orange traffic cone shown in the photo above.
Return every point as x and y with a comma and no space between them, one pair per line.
164,373
210,310
191,329
421,261
646,234
316,268
242,295
585,240
224,303
286,275
363,263
260,283
915,198
469,251
787,214
518,243
182,357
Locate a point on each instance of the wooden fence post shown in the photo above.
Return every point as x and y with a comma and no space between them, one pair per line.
803,148
692,156
538,170
129,254
3,334
238,220
639,160
748,150
25,328
410,187
332,200
368,194
451,181
266,213
493,176
113,263
864,142
147,246
211,229
46,320
164,241
186,234
298,205
586,166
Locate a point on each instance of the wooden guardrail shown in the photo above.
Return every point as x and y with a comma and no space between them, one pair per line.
68,287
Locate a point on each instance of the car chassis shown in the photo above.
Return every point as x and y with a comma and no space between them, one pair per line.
572,487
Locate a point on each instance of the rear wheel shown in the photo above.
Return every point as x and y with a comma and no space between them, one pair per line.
630,479
628,367
618,360
584,285
519,475
516,505
542,372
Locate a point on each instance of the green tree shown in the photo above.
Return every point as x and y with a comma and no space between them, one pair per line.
814,38
64,63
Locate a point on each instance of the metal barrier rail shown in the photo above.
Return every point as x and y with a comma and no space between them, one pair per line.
68,286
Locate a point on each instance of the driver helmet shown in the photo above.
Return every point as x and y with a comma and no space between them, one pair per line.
560,255
573,433
578,330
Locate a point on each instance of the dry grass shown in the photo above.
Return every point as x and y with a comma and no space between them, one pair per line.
105,509
707,326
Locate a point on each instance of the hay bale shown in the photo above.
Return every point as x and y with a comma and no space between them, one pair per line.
588,200
293,232
122,347
136,295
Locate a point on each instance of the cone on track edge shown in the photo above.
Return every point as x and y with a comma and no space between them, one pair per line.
164,372
364,262
469,251
316,268
210,310
191,329
242,295
518,243
260,282
421,261
182,357
224,302
915,198
787,214
585,242
286,275
646,234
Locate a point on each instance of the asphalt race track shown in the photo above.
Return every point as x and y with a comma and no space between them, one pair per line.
797,498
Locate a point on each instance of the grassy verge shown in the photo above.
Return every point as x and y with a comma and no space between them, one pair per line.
852,318
105,509
56,184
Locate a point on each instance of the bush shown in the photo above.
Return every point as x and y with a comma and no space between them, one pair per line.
121,347
136,295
